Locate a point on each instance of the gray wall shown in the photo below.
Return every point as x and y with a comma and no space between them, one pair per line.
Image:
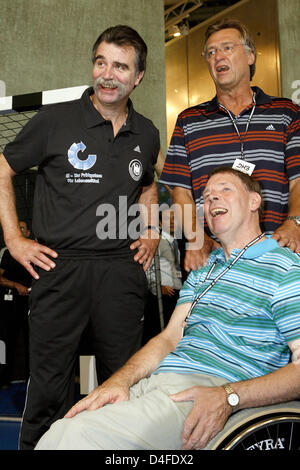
289,40
46,44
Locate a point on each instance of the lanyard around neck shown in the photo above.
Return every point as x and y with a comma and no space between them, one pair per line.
213,282
236,127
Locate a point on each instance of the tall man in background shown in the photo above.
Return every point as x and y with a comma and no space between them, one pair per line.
241,127
90,153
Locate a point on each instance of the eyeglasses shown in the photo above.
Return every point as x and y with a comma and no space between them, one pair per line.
226,49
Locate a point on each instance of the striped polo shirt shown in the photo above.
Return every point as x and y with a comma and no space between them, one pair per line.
240,328
205,137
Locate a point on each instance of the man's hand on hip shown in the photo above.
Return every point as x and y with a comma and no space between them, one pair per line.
29,252
146,245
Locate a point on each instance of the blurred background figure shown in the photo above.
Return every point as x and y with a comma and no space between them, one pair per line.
15,282
164,277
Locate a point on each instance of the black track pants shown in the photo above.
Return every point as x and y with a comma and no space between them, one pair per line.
108,293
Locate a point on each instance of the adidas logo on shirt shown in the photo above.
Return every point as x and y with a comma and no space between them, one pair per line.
137,149
270,127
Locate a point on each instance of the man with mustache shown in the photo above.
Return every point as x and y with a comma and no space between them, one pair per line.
240,126
226,348
88,263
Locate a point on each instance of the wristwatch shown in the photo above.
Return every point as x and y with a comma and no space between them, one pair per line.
295,218
232,397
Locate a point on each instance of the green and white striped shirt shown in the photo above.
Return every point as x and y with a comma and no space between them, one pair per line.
240,328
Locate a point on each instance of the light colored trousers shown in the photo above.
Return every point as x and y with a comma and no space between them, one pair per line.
150,420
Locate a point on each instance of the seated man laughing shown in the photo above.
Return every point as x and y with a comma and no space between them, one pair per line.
227,346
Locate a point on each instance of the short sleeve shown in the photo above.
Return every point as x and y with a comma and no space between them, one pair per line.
176,170
292,152
187,292
286,304
28,148
148,177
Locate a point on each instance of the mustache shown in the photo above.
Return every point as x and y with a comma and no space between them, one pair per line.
107,83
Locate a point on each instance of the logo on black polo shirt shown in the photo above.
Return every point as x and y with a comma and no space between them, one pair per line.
135,169
77,162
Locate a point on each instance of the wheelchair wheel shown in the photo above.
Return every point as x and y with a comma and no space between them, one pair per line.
274,431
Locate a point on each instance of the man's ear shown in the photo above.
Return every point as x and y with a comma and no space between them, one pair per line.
139,77
255,201
251,58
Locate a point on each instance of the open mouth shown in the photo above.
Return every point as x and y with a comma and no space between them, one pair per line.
222,68
108,87
218,211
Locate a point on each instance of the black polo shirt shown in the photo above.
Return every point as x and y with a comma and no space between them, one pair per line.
87,179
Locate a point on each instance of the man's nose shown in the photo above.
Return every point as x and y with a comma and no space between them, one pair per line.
108,72
214,195
219,54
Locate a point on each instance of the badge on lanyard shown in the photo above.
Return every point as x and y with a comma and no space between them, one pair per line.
8,297
243,166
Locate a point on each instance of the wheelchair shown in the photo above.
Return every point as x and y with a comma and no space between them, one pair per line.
262,429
